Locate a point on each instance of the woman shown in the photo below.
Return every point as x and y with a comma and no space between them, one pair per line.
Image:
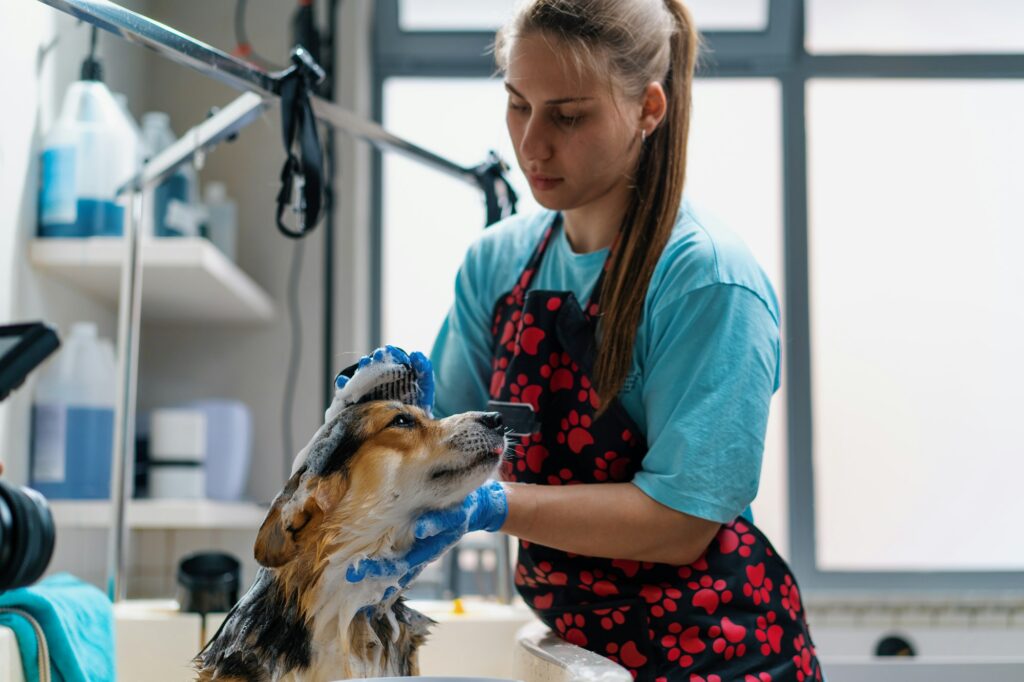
631,495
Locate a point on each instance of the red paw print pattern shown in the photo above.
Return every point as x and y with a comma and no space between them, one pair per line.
529,338
709,678
564,477
530,454
612,617
611,467
575,432
790,597
627,655
545,576
701,564
570,626
804,669
630,567
543,601
769,634
736,538
498,375
728,639
598,583
709,593
761,677
758,587
587,394
661,599
559,372
524,392
682,644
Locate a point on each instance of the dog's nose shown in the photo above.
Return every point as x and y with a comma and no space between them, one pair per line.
491,420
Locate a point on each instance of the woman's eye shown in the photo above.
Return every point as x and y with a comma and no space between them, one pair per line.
568,120
517,107
402,420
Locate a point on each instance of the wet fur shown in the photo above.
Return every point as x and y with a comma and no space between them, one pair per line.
355,491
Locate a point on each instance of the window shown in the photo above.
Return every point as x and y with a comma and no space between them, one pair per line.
917,324
915,26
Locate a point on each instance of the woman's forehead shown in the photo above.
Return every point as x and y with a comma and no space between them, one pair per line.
543,68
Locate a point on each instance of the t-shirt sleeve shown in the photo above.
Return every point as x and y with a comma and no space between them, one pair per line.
709,372
461,353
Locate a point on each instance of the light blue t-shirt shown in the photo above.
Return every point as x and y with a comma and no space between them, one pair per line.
705,359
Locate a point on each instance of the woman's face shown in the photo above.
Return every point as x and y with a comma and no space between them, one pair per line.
575,141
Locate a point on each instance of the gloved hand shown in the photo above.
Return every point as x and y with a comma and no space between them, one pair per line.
483,509
386,374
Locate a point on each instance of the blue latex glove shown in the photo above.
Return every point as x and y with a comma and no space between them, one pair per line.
386,374
483,509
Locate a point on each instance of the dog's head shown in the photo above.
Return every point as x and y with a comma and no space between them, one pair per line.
369,471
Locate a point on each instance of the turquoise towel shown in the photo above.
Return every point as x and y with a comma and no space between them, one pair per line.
78,621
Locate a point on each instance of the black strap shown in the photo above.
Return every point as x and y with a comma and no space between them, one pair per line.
498,193
297,120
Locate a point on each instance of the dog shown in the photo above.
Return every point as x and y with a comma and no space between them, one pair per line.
355,492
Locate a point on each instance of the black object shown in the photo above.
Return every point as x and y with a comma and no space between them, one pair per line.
499,197
519,418
22,348
297,120
894,645
27,532
26,536
208,582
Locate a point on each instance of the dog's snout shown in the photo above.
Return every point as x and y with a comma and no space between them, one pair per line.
491,420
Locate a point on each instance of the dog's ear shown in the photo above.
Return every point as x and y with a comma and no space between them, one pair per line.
295,515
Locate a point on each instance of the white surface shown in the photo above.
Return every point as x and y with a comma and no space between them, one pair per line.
170,514
177,482
11,669
917,323
177,434
915,26
184,279
473,15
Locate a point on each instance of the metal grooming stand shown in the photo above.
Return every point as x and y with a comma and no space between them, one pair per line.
260,90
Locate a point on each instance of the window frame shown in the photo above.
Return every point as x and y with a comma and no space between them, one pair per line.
777,52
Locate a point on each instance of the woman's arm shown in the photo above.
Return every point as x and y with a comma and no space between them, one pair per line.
613,520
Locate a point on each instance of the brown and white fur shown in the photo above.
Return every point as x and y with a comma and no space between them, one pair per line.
356,491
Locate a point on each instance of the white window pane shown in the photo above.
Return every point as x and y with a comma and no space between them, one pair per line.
915,26
735,173
475,15
917,322
453,15
430,219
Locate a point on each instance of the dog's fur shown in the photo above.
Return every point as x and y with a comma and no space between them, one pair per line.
356,491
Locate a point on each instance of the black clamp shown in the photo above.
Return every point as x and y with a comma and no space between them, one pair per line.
297,120
498,193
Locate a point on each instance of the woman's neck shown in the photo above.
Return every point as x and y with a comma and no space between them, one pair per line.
595,225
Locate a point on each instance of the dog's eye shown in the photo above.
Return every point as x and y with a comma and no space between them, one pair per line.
403,420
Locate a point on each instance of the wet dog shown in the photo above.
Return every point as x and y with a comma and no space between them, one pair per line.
356,490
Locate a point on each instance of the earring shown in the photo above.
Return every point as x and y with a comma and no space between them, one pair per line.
643,136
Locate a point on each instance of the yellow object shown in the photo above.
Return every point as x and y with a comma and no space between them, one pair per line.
457,608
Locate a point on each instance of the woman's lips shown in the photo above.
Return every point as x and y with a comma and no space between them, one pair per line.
543,183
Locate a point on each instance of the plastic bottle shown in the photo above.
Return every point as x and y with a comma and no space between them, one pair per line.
140,150
87,155
222,219
73,419
180,187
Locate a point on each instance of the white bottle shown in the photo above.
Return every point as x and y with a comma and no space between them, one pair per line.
73,419
222,219
87,155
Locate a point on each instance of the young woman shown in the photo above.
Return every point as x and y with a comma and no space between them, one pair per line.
645,341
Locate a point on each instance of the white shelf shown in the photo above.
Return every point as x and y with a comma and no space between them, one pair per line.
184,279
160,514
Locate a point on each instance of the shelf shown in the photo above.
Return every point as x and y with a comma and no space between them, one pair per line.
183,279
161,514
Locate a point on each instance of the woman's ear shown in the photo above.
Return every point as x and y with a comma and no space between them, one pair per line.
653,108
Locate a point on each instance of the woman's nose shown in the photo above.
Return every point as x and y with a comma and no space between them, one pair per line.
534,145
491,420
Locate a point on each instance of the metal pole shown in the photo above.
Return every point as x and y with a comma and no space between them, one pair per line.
122,469
228,121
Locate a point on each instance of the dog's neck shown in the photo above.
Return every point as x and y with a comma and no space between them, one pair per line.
305,621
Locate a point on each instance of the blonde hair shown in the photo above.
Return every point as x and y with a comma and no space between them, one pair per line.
635,42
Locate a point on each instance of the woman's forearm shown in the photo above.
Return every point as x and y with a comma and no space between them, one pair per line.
612,520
